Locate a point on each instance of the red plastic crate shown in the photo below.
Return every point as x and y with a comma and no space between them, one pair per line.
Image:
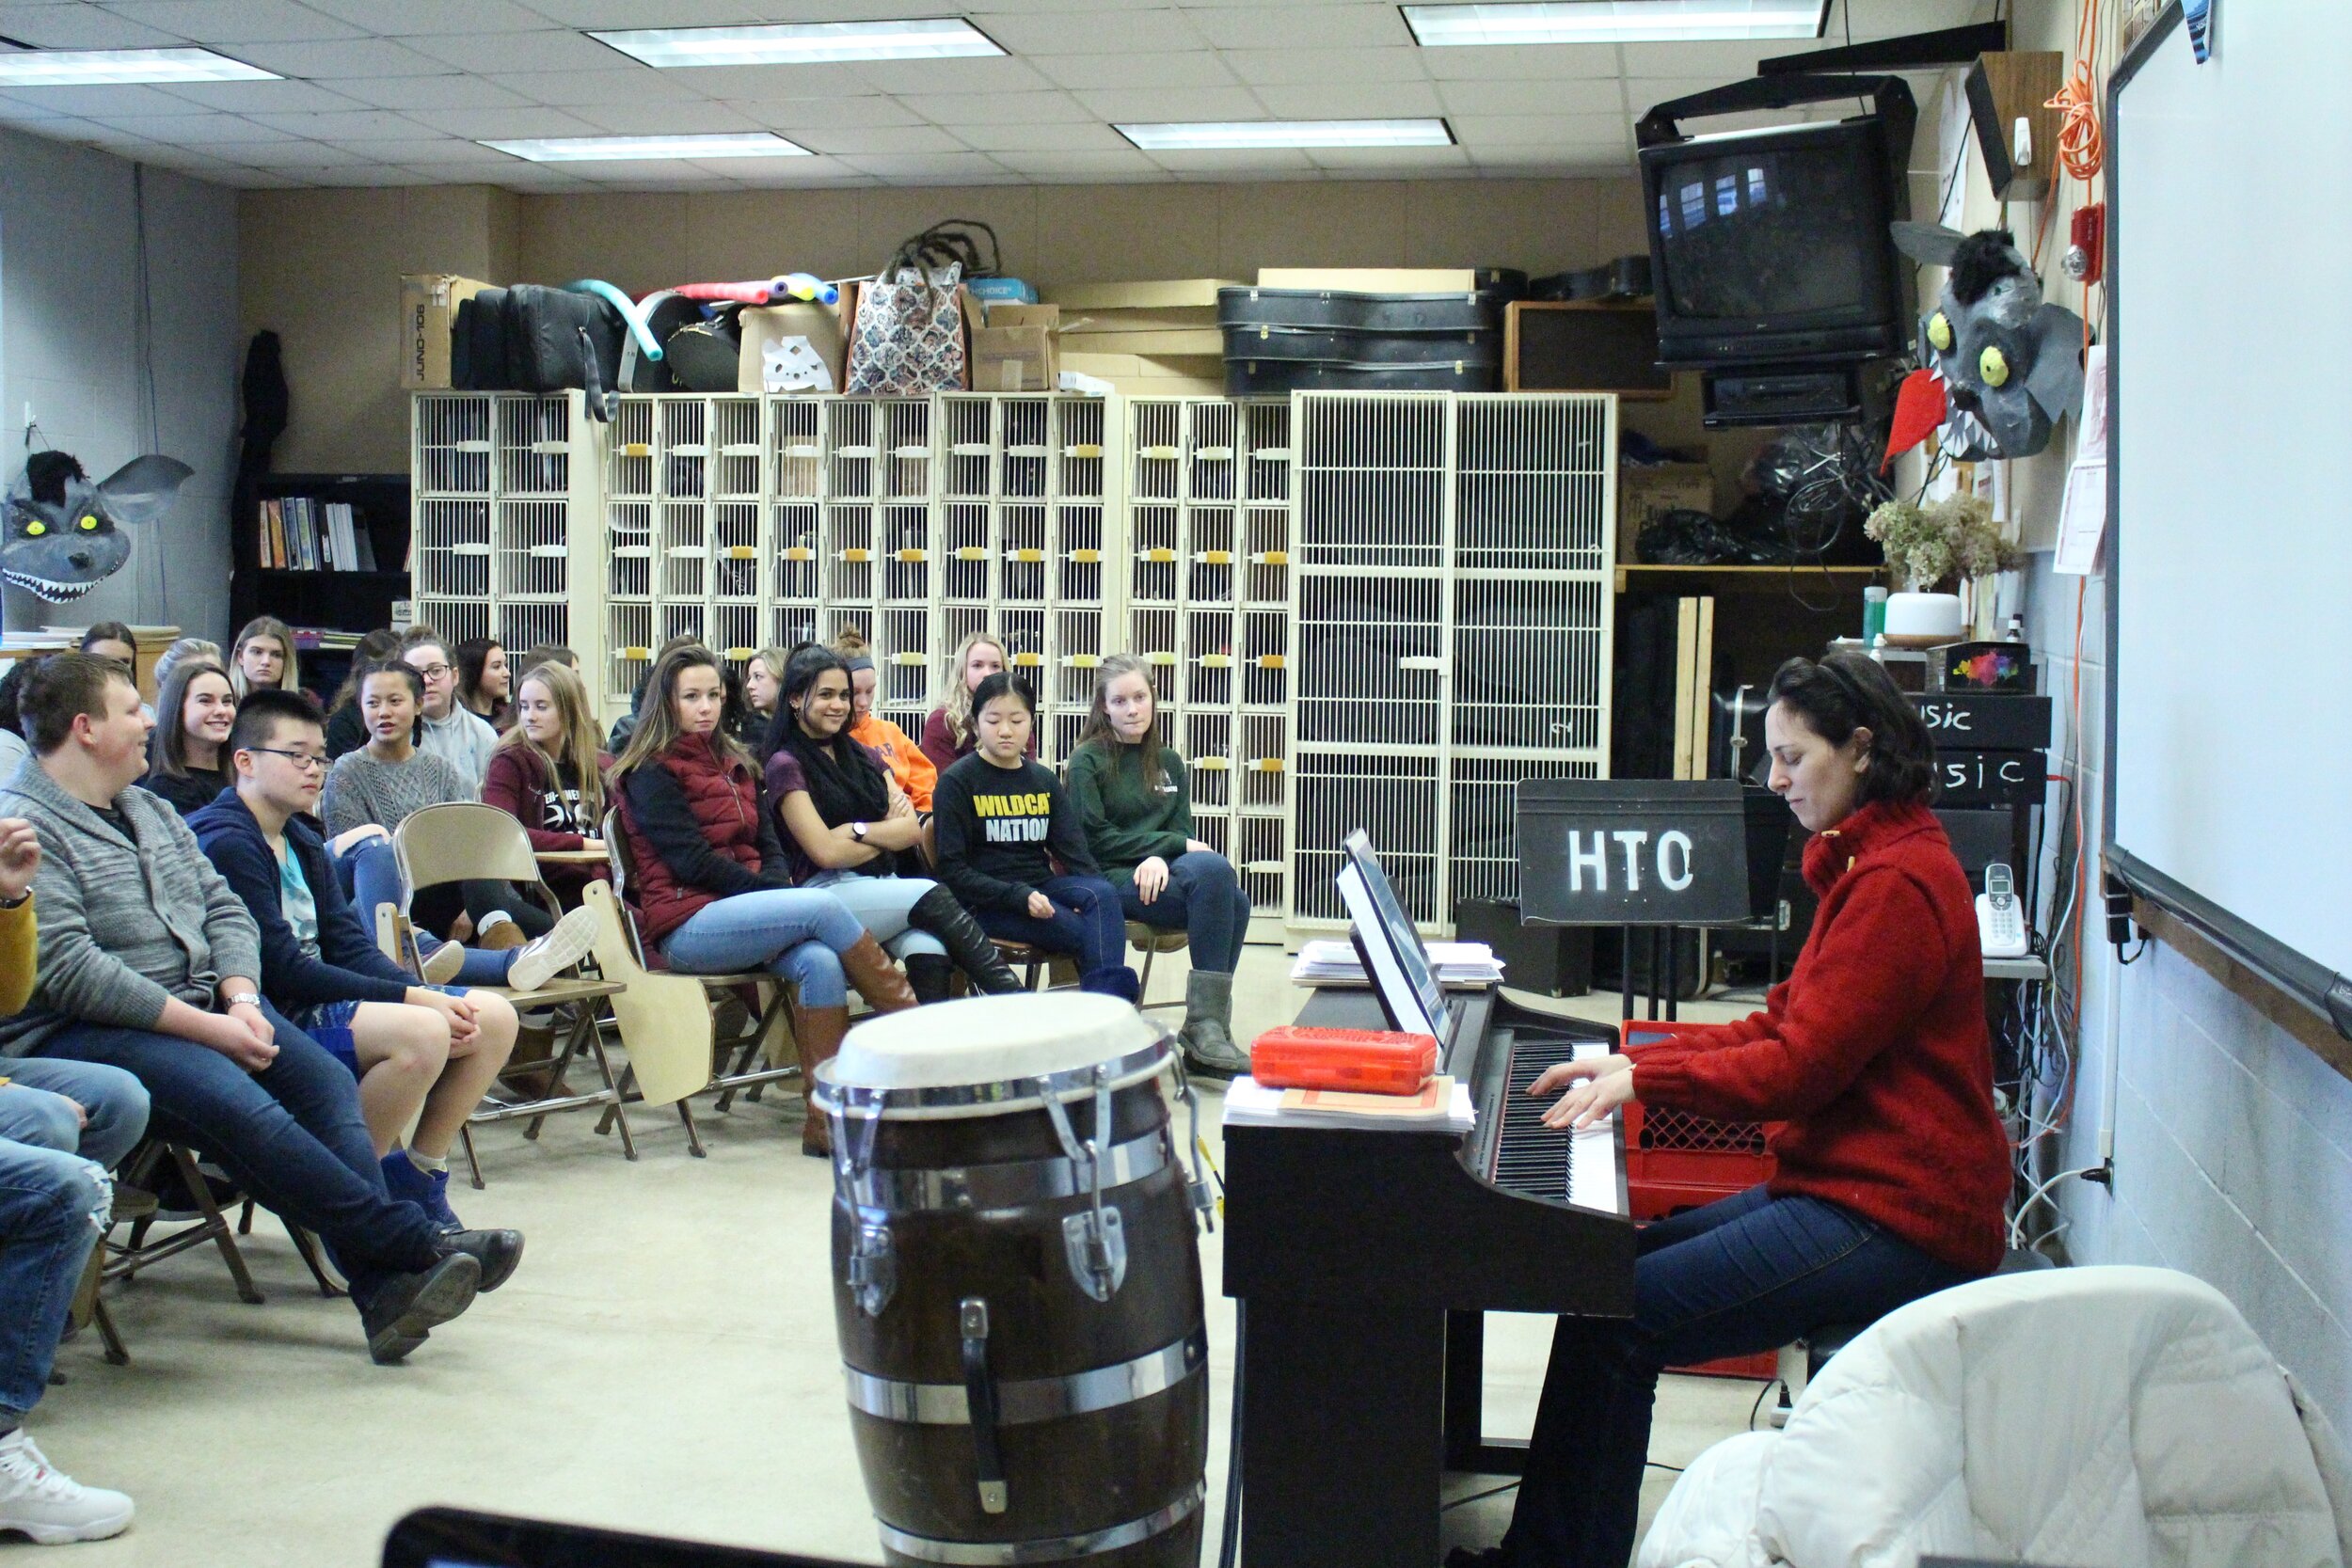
1676,1160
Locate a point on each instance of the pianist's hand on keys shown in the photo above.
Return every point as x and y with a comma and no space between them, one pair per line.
1596,1086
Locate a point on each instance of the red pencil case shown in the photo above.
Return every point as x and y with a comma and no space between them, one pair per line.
1354,1061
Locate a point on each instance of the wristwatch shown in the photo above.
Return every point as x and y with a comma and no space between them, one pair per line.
246,999
17,902
857,830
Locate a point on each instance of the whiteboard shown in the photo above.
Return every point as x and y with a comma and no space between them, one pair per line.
2228,776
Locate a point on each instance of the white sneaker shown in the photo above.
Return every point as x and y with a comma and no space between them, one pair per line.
537,962
50,1506
441,965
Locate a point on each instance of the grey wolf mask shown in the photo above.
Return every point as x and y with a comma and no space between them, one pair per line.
63,535
2012,364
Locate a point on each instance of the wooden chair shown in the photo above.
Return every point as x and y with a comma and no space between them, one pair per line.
127,1259
466,841
1151,942
667,1019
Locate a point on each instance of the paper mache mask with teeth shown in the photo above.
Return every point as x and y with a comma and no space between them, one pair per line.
63,535
2012,364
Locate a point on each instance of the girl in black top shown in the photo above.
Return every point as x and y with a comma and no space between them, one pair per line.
1002,821
194,713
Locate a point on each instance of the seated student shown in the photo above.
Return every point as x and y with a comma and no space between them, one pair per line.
912,770
845,823
263,657
549,652
713,889
550,774
999,818
148,962
346,730
383,784
421,1053
194,711
948,734
485,682
464,739
1873,1062
202,648
12,748
626,725
111,640
1131,792
763,682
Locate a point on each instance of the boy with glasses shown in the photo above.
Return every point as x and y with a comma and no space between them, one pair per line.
421,1052
451,731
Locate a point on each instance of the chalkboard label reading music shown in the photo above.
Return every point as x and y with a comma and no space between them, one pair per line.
1647,851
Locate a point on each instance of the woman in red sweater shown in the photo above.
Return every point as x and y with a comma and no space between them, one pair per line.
550,774
1874,1066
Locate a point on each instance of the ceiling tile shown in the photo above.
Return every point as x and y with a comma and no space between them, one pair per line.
1000,74
1162,31
731,82
1351,101
548,49
665,119
1198,67
255,179
504,124
412,93
347,125
1340,27
213,22
278,97
1308,67
1071,168
1541,61
623,82
80,27
1725,61
1540,130
424,17
1576,95
1277,161
1394,162
649,13
852,141
110,102
287,154
342,59
29,111
1006,108
946,168
789,115
1043,138
383,174
426,151
1148,105
196,129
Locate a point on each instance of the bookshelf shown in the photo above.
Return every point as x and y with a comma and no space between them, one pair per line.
334,598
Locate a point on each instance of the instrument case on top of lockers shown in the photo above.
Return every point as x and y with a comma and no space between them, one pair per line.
1280,340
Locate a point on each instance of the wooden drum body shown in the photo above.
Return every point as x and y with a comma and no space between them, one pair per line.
1018,1299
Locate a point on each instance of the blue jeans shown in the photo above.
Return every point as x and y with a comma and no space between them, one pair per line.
796,933
881,905
50,1204
33,1108
1203,900
1737,1278
291,1135
370,875
1086,923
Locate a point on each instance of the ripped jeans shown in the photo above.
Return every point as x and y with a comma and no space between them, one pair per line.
50,1204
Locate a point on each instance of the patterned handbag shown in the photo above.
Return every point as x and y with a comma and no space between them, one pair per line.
907,337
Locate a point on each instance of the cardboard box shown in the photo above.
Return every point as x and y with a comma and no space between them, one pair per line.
1194,292
1187,340
428,308
1373,280
1046,316
1149,376
768,330
1644,492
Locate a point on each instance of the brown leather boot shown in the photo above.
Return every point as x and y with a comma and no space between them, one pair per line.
876,977
818,1032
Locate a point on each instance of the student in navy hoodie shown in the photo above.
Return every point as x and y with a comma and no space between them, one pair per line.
421,1052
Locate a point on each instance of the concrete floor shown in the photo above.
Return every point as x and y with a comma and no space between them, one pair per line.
664,1361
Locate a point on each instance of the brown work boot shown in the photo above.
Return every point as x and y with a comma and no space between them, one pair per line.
818,1032
876,977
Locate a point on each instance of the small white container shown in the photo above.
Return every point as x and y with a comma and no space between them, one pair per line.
1923,619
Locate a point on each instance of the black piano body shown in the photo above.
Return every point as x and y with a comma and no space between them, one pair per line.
1362,1262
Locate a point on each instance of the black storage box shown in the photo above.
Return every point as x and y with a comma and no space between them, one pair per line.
1550,961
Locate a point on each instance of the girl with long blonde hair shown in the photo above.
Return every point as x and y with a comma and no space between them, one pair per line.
263,657
949,733
550,774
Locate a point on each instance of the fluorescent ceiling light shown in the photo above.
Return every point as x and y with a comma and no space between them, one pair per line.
803,43
605,150
84,68
1215,135
1616,22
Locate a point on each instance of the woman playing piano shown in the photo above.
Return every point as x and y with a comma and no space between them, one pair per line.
1874,1061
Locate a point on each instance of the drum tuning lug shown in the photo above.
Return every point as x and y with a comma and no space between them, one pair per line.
873,1268
1096,1241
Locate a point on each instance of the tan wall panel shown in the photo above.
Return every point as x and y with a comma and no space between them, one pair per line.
634,240
1122,233
761,233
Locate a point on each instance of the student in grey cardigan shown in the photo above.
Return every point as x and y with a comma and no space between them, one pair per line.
149,963
450,730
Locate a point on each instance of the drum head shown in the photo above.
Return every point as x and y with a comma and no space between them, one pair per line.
985,1055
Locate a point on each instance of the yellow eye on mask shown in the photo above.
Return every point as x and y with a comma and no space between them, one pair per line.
89,525
1940,333
1993,366
36,529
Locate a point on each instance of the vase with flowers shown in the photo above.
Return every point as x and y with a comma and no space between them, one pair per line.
1934,550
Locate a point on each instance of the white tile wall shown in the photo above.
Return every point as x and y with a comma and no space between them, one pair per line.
67,284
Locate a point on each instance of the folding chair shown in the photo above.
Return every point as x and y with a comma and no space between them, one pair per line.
1151,942
129,1258
666,1020
466,840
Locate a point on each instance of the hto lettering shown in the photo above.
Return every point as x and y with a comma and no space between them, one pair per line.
1591,855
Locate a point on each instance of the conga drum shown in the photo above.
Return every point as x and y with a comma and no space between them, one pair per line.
1017,1284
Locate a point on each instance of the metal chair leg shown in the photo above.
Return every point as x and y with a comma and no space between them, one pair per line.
604,1067
1143,986
217,1223
306,1248
465,1136
693,1134
117,1353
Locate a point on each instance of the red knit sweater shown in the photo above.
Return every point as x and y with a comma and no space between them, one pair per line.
1873,1055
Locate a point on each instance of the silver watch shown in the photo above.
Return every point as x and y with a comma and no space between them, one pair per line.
857,830
246,999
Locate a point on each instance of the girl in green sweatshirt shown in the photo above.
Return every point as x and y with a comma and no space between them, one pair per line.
1130,796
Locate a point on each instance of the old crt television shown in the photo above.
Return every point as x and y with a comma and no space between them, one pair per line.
1771,247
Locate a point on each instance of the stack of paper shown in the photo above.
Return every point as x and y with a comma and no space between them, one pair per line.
1441,1107
1463,965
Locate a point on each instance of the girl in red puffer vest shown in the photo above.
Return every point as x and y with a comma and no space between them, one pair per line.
1873,1060
710,881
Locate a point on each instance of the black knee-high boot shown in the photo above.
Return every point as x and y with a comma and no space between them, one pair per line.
928,975
967,945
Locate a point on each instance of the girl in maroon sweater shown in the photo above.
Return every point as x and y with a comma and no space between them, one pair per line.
1874,1068
550,774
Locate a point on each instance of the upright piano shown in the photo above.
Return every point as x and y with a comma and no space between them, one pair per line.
1362,1261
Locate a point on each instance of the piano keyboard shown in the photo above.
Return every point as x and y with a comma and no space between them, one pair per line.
1580,1167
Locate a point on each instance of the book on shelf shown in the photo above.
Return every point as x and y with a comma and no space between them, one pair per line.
300,534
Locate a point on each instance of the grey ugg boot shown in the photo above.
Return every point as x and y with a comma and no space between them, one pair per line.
1209,1048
